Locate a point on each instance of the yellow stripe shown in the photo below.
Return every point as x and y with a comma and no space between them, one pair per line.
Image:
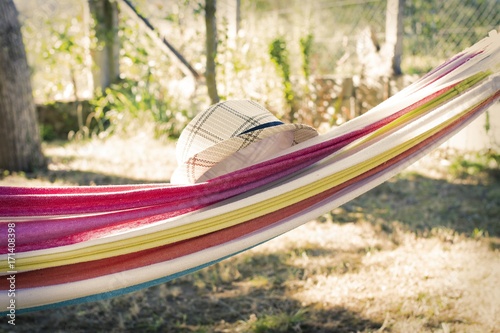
455,91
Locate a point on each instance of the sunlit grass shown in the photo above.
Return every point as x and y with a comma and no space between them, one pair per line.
279,322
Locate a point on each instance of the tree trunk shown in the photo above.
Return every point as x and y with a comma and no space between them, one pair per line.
20,148
211,40
106,69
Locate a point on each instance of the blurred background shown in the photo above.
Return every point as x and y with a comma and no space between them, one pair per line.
96,65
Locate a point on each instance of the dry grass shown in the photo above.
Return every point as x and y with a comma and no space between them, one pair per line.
419,253
119,159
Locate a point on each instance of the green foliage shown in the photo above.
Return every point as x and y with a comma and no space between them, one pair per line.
58,119
47,132
479,233
435,30
486,163
58,49
279,56
300,91
129,100
57,55
487,124
145,90
306,50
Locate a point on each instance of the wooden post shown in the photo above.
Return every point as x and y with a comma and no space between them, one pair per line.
106,69
231,12
394,33
211,50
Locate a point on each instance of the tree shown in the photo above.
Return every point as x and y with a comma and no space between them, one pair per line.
20,148
211,44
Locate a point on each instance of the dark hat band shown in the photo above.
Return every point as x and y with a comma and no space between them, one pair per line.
262,126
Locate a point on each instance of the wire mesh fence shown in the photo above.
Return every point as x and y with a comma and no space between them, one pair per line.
440,29
59,40
433,30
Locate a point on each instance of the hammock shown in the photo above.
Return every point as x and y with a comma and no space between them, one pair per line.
68,245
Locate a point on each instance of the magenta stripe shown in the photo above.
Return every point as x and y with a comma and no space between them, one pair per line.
453,64
12,190
84,203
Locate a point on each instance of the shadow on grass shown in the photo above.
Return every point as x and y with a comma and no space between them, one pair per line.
92,178
248,293
423,205
86,178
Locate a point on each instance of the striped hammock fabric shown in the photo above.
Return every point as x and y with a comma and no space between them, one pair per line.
67,245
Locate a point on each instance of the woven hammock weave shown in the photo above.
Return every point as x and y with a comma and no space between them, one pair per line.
77,244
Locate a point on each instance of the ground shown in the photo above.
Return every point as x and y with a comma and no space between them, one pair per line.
419,253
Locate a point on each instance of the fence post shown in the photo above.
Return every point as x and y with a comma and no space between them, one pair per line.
211,49
106,59
394,33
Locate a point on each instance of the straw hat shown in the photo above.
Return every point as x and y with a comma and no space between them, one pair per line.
224,129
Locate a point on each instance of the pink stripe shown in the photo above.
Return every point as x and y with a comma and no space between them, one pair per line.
11,190
453,64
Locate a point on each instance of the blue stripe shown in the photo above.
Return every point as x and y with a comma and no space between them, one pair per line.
261,126
112,294
126,290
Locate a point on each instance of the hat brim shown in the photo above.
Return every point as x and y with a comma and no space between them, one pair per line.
192,169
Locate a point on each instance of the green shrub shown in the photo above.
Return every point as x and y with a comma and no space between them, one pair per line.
128,101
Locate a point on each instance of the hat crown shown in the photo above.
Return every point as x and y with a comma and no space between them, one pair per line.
217,133
221,122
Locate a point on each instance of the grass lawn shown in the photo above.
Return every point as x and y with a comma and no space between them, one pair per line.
419,253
